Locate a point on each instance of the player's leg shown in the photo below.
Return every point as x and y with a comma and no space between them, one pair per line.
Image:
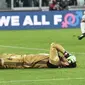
82,30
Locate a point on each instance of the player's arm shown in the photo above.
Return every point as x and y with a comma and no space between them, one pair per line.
83,19
63,61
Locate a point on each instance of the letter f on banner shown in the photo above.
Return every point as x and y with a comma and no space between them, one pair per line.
57,19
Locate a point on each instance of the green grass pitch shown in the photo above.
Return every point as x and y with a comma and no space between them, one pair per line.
38,41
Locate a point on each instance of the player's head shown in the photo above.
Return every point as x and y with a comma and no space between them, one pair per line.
54,1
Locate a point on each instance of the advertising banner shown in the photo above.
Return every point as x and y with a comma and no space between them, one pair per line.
16,20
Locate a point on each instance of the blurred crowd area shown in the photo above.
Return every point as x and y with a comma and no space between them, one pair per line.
52,4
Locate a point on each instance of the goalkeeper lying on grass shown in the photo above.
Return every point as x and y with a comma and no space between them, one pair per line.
52,60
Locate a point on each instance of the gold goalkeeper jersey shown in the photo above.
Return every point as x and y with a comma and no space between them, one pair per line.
24,61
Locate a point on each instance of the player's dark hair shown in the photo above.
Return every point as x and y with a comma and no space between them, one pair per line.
72,65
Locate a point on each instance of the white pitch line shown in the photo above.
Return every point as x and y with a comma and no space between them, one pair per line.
41,80
17,47
23,48
80,53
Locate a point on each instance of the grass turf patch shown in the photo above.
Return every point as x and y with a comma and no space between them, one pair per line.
38,41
